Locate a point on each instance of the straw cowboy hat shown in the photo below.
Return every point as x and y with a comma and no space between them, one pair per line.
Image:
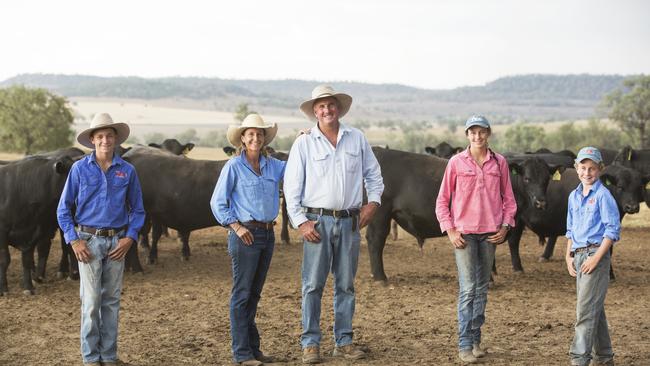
104,120
323,91
253,120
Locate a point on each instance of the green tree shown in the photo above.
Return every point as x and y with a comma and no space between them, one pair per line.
156,137
242,111
187,136
214,138
522,137
567,136
630,108
34,120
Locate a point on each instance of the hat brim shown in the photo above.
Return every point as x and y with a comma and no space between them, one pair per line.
234,133
345,102
121,128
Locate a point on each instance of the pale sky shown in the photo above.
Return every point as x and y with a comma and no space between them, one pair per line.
429,44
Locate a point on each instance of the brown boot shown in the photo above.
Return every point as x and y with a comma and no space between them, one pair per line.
311,355
466,356
478,352
349,352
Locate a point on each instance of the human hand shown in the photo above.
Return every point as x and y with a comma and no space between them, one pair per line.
244,234
366,214
456,239
570,267
123,245
499,237
308,231
81,251
589,265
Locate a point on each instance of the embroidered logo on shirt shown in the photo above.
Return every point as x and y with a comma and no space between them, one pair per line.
120,174
591,201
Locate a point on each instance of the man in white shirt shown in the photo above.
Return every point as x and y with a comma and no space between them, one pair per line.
323,187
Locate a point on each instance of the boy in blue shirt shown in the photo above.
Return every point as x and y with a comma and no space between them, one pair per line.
593,225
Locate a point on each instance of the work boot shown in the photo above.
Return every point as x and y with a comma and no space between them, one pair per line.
478,352
311,355
349,352
466,356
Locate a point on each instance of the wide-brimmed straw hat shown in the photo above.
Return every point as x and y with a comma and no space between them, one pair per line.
253,120
104,120
324,91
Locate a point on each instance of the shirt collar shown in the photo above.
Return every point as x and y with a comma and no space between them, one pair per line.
466,154
593,188
117,160
244,161
343,129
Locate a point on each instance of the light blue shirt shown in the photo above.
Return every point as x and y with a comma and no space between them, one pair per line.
593,217
101,200
242,195
321,176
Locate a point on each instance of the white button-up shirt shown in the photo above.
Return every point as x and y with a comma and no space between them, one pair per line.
321,176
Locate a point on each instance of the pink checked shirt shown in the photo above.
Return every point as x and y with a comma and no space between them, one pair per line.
481,199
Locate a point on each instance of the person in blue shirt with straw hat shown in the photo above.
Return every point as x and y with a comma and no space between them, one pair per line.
246,199
593,226
101,213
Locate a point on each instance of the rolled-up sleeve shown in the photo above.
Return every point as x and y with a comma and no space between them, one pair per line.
66,205
372,174
222,194
610,217
569,217
443,214
294,182
136,207
508,197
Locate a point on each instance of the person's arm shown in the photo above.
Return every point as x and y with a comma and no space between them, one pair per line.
67,202
569,224
509,203
569,259
374,183
136,215
443,214
294,182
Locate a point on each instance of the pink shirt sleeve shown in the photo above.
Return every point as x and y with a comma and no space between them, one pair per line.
509,203
447,188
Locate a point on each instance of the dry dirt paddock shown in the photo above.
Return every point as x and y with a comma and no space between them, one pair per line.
176,313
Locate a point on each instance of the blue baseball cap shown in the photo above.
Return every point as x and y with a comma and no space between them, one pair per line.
477,120
590,153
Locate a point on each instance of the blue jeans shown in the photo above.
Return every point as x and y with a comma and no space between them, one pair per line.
474,264
100,289
591,324
250,265
338,252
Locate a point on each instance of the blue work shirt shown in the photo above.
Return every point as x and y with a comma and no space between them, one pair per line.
242,195
593,217
101,200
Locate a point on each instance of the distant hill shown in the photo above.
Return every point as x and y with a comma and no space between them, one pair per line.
524,97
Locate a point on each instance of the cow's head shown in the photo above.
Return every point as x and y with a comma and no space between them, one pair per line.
626,185
229,150
533,175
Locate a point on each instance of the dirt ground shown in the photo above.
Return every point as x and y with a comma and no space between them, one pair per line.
176,313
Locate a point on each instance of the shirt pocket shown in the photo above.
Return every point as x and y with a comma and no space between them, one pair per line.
251,188
493,180
119,186
320,162
589,215
352,161
89,185
466,180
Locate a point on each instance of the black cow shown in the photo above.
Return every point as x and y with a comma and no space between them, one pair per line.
30,191
443,150
623,183
174,146
176,192
411,185
640,161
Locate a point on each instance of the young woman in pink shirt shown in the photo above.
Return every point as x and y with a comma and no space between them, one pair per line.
476,207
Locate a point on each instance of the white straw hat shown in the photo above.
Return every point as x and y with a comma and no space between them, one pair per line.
253,120
104,120
323,91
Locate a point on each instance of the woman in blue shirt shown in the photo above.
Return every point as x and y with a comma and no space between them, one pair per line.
246,199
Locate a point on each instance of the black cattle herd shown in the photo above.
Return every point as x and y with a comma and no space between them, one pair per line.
177,191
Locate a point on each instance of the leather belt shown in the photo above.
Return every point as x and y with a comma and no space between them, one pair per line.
335,213
584,249
259,224
104,232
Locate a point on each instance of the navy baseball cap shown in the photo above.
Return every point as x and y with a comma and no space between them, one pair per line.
477,120
590,153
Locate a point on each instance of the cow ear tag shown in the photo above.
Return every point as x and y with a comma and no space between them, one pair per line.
557,175
513,171
647,186
608,182
629,155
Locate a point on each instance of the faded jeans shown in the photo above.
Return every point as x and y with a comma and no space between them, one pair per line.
100,289
591,323
474,264
250,264
338,252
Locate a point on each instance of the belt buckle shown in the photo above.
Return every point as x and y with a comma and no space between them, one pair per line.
334,213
